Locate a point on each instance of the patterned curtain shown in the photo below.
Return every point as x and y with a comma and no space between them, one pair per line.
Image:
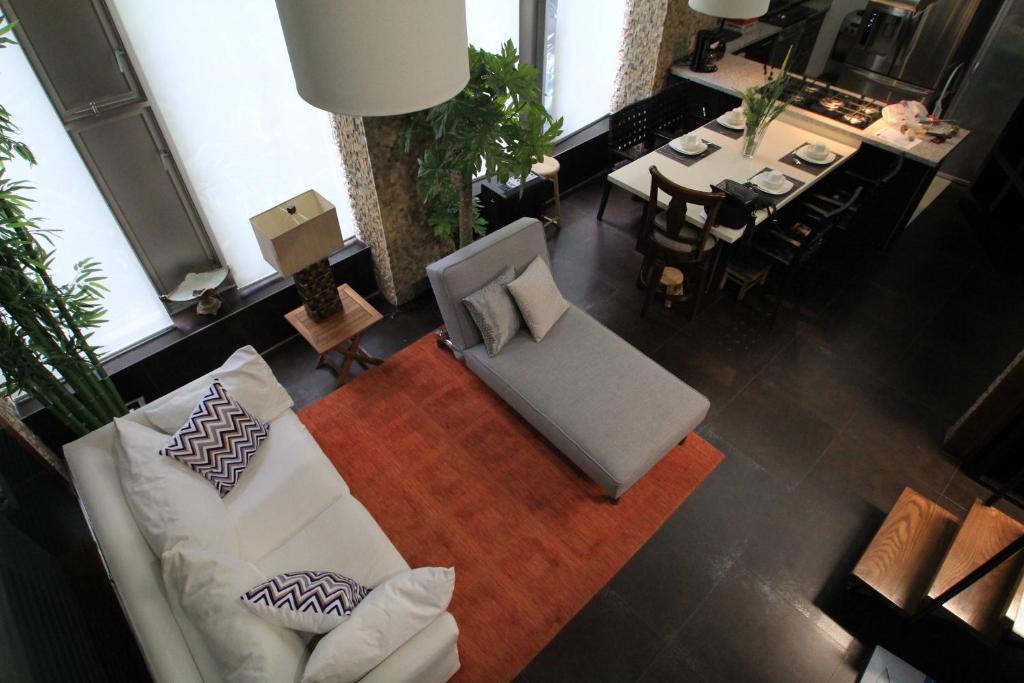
641,43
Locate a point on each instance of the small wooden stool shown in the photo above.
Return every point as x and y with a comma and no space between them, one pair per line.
672,281
746,271
548,168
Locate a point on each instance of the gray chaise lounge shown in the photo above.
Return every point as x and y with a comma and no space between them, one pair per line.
605,405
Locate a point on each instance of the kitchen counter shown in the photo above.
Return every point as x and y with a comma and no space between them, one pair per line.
735,74
756,33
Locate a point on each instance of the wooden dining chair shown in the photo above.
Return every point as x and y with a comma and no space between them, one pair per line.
671,241
629,136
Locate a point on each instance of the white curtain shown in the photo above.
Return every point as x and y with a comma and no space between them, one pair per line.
489,23
219,76
582,58
67,199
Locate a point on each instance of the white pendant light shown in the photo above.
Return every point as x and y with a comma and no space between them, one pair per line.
376,57
730,9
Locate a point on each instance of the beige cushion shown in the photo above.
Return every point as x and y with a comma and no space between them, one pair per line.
538,298
661,237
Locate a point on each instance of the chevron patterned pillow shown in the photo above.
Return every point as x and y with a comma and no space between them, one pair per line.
310,601
218,440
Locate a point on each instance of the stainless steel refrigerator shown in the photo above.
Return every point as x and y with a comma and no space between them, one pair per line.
908,49
991,92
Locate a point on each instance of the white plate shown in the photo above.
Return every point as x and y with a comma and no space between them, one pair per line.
786,186
722,122
829,158
677,145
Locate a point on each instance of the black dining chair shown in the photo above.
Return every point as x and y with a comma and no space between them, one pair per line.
629,136
792,244
670,115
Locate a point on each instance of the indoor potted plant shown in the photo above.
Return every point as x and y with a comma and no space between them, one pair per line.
497,123
44,339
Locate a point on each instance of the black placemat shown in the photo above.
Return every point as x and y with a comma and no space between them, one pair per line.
797,184
722,130
688,159
793,160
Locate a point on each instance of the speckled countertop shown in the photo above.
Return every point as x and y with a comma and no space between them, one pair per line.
736,74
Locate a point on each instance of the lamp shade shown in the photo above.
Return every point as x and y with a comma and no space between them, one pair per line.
298,233
376,57
730,9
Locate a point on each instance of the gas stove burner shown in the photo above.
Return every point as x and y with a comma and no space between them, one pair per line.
831,103
869,110
854,118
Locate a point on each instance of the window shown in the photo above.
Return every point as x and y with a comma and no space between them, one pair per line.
218,74
489,23
67,199
581,58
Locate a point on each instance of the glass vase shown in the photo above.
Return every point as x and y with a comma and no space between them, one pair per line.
751,140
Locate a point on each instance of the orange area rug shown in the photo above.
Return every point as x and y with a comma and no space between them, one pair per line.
456,478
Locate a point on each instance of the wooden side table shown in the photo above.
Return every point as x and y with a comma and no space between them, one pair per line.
339,333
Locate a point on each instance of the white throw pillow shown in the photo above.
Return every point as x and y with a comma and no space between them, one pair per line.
309,601
247,649
538,298
244,374
170,502
393,612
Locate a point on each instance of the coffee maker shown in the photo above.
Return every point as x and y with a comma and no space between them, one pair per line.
703,53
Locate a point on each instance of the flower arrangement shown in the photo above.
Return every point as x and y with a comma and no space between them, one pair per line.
762,104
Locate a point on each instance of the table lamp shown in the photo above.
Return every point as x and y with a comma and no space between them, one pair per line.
722,9
296,237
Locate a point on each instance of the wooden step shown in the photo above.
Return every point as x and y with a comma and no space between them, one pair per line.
905,554
985,532
1014,606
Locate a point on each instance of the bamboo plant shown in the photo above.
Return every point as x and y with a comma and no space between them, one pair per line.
44,326
497,123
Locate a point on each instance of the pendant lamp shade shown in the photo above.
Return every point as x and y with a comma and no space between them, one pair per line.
730,9
376,57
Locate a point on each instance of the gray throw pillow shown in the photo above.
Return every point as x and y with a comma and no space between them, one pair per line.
538,298
494,312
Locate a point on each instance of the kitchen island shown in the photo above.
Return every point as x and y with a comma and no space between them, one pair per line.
908,171
735,74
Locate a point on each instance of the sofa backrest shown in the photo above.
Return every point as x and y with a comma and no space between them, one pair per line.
461,273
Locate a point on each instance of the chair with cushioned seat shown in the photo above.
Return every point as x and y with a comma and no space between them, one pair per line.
671,241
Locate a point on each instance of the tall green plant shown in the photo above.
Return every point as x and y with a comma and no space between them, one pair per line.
497,122
44,337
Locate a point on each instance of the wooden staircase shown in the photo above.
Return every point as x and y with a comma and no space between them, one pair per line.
922,550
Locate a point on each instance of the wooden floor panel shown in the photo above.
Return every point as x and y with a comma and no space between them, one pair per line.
908,549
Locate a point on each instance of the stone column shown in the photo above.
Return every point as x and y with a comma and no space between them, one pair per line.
655,34
388,211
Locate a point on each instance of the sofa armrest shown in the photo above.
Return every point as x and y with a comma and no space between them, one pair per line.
461,273
430,656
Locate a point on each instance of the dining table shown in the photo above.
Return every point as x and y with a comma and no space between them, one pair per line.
724,160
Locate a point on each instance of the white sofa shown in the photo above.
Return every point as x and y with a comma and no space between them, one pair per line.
292,511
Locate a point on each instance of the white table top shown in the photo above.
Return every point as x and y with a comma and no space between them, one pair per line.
780,139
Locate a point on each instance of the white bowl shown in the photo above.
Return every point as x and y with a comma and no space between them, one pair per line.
804,153
740,124
677,145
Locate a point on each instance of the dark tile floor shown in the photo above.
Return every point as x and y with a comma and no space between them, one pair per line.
823,420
